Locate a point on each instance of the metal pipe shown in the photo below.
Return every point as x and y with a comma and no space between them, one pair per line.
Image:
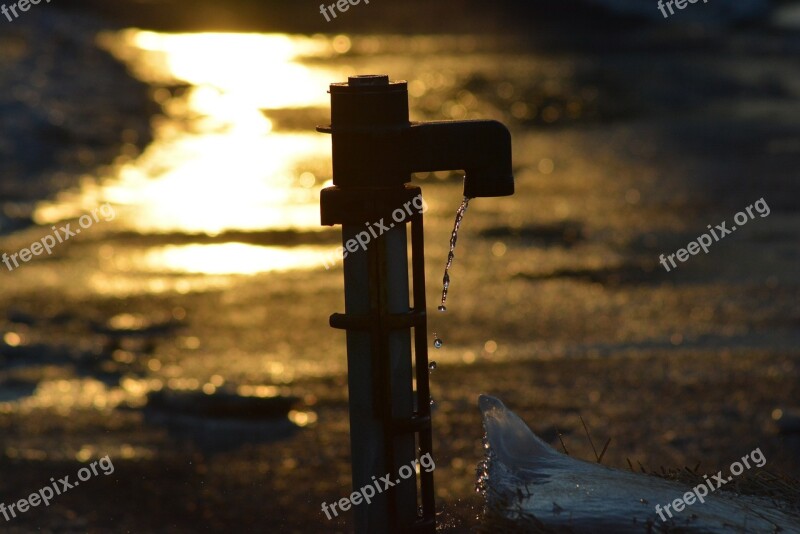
379,379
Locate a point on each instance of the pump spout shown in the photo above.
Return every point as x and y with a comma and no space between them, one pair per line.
481,148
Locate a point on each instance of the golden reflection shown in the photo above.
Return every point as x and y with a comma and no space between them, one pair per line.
127,321
302,418
66,395
262,69
219,182
121,285
216,163
231,258
257,391
12,339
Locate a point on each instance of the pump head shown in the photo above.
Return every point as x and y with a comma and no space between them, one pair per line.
376,146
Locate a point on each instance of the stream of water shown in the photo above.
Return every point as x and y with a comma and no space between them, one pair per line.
451,254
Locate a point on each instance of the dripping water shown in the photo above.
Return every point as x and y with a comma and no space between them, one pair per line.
453,238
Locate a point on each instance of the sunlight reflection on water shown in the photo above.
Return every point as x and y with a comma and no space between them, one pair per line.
231,258
216,163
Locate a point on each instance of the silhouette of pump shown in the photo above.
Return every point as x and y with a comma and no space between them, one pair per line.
375,150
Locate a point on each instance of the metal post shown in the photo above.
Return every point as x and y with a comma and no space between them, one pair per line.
379,378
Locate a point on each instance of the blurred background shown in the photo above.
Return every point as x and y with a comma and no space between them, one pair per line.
188,337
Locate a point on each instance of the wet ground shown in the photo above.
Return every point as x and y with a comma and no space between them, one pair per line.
208,282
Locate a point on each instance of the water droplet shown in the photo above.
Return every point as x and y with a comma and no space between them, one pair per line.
442,308
431,401
432,365
437,342
420,510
